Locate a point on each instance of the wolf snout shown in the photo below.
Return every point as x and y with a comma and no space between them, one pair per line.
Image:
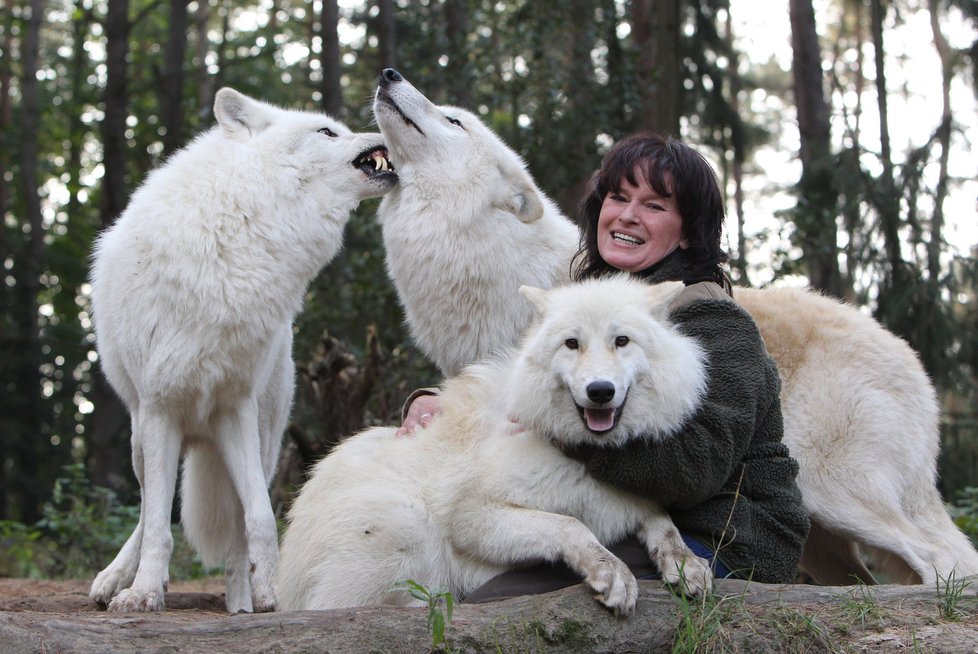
601,391
390,75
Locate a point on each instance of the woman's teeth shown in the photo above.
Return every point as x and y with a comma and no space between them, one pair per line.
625,238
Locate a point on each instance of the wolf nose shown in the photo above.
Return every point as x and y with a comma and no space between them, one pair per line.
391,75
600,392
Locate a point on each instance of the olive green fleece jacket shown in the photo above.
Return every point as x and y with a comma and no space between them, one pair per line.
725,478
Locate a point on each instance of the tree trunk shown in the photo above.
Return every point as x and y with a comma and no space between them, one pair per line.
205,81
171,90
28,440
656,40
888,205
739,147
387,34
108,447
329,59
946,55
457,71
815,213
618,84
6,349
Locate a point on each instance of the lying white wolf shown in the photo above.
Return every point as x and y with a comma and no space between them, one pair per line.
467,498
194,290
859,411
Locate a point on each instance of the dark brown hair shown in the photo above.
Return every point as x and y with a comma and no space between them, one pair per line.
665,163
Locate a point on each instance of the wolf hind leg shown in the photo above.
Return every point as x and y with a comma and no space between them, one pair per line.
212,519
239,445
920,540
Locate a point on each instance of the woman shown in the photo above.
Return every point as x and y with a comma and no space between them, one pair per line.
654,209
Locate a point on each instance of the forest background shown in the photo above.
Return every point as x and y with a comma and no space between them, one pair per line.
843,132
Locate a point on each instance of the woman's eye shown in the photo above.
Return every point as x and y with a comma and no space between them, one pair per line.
571,344
621,341
327,131
454,121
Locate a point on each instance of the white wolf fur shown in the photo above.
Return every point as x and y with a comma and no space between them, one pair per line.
460,187
194,290
861,418
467,498
859,411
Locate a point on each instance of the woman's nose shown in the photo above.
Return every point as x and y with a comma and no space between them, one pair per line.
627,214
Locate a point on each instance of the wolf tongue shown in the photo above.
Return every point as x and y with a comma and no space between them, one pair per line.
600,419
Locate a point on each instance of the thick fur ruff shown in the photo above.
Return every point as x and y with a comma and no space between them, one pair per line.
194,290
468,498
464,210
860,413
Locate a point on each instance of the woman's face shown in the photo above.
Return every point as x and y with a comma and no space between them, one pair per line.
637,228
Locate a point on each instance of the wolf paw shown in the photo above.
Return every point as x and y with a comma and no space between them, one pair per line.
691,574
108,584
614,585
131,601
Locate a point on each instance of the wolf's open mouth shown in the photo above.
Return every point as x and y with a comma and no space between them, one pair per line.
601,421
374,162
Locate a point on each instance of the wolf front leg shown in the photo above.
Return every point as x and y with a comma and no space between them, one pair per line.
677,564
508,536
158,440
119,574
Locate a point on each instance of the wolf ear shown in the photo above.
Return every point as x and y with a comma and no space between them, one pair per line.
536,296
662,295
239,115
518,194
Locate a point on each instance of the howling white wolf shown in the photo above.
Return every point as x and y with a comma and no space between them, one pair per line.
860,414
468,498
489,229
194,290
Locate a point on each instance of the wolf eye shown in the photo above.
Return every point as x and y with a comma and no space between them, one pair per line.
327,131
621,341
572,344
454,121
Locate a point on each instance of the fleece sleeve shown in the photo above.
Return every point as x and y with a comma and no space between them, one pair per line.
693,464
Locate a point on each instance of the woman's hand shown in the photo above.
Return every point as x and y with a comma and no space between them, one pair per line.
421,412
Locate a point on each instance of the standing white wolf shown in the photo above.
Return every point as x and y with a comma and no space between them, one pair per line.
194,290
860,414
467,498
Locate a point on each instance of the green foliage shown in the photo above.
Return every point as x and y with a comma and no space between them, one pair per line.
84,526
18,550
951,599
82,529
964,512
437,619
701,621
860,606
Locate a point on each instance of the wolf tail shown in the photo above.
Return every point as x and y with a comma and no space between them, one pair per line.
210,510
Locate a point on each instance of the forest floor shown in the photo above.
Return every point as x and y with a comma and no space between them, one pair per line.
57,616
